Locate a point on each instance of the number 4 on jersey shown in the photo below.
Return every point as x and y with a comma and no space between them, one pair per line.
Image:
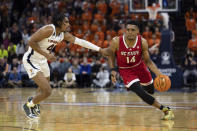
50,48
131,60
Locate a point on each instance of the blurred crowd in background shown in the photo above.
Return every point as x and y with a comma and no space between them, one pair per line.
97,21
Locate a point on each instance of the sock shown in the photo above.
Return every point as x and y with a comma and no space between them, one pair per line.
30,104
161,107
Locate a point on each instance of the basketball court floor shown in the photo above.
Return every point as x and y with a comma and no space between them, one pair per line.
97,110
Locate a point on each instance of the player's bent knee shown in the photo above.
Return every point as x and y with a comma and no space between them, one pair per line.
149,88
47,92
141,93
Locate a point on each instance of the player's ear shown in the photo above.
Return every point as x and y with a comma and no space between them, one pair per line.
59,23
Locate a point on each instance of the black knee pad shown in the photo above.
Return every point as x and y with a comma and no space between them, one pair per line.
149,88
136,87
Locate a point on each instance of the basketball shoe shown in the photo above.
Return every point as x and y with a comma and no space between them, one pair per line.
29,111
168,114
36,108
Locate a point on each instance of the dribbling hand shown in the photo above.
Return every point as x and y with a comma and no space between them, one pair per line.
113,76
51,57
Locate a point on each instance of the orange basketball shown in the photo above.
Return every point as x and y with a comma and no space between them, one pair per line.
162,83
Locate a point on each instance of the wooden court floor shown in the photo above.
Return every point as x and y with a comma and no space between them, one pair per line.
96,110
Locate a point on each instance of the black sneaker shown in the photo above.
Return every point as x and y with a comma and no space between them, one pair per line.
36,108
29,111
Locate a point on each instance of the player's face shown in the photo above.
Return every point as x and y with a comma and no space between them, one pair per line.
65,24
131,32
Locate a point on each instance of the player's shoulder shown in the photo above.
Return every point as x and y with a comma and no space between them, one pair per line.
49,28
144,43
46,30
115,39
143,40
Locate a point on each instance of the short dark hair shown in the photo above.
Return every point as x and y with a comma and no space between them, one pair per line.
58,19
130,22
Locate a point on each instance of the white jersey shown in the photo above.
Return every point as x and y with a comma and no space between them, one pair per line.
46,45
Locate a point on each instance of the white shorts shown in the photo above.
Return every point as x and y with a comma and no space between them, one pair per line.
34,66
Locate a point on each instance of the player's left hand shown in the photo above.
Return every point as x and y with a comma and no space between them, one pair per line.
103,52
51,57
113,76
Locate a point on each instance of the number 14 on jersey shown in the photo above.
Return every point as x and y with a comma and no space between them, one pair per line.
130,60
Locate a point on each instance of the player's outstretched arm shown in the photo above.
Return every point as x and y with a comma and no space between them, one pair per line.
72,39
145,54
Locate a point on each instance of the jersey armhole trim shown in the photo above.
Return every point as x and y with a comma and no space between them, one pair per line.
54,32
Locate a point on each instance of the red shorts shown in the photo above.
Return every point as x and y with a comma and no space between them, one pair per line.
138,73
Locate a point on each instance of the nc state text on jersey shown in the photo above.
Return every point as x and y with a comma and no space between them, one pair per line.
131,53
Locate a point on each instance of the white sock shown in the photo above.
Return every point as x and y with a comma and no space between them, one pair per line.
30,104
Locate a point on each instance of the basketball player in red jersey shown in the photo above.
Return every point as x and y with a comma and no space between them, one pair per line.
131,53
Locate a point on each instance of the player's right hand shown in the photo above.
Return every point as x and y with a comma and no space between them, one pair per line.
51,57
113,76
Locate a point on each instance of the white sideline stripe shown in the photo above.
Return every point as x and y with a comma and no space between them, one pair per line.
114,105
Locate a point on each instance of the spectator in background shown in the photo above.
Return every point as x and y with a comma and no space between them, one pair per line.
16,35
24,76
3,52
75,66
54,65
14,78
157,33
25,36
154,51
115,6
192,44
63,67
14,63
11,52
20,49
3,71
102,6
100,34
85,72
76,69
102,78
6,38
190,25
107,42
147,34
69,79
94,26
189,13
97,41
190,65
4,66
96,65
153,41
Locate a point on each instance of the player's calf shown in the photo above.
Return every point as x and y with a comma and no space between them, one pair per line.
47,92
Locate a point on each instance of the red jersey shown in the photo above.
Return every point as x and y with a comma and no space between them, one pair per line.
131,66
128,57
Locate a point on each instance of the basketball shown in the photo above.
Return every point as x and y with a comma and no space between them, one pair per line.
162,83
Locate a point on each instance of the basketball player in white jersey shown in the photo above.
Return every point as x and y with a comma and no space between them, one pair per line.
35,59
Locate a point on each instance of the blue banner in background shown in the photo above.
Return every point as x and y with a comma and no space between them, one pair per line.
165,61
